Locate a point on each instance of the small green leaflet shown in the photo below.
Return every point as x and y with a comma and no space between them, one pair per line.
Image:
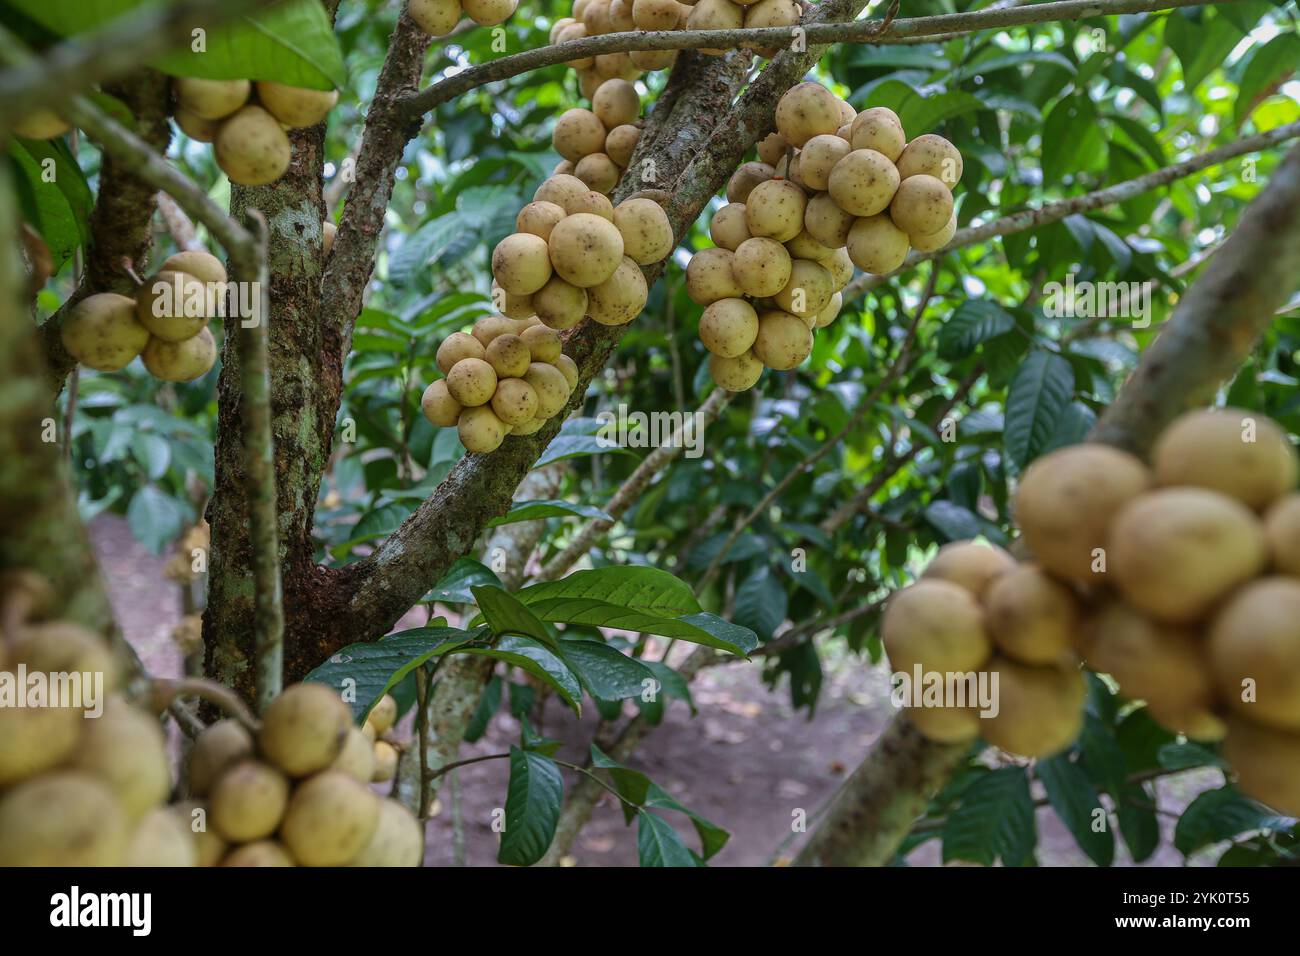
533,800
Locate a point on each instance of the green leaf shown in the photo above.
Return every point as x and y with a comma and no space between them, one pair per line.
671,684
1138,822
489,702
374,524
1038,396
363,673
953,521
1073,140
994,821
155,517
536,659
506,614
657,843
761,603
533,799
632,785
1221,815
290,42
712,837
973,322
631,586
455,586
1188,756
535,510
605,671
576,446
1201,44
700,628
53,194
1269,64
1076,802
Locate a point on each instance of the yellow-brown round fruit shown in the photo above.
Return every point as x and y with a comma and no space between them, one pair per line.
560,304
435,17
1174,552
512,306
876,245
829,314
539,218
745,178
771,13
551,386
620,16
438,406
195,127
490,326
303,729
515,401
251,147
173,306
728,327
585,249
1066,501
264,852
761,267
775,208
247,802
472,381
620,298
480,430
935,241
840,265
808,291
880,129
295,106
1282,528
160,839
583,64
735,374
543,344
783,340
826,222
922,206
715,15
357,758
621,142
1230,450
488,13
180,361
653,59
818,158
973,566
1201,724
863,183
66,818
597,204
562,189
41,124
521,264
772,148
804,246
728,226
616,103
1254,643
709,276
647,233
936,624
193,818
383,715
656,14
509,357
385,762
398,839
457,346
65,647
126,749
1266,762
931,155
102,332
805,111
528,428
599,172
219,746
1164,664
204,266
557,26
569,369
1040,709
578,133
945,725
211,99
1031,617
34,739
330,819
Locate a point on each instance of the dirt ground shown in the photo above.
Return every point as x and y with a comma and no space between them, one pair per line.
747,761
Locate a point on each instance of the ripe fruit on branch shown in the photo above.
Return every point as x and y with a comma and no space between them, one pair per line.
102,332
329,819
41,124
172,306
1230,450
1040,709
936,624
585,250
973,566
252,148
181,361
303,729
210,99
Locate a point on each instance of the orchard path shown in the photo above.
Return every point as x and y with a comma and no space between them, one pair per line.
745,762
